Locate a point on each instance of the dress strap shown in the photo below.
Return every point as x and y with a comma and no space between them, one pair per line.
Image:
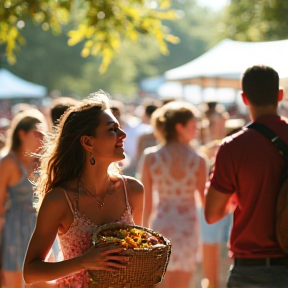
69,201
13,156
77,197
125,190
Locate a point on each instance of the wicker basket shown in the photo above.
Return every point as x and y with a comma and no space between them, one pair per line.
146,266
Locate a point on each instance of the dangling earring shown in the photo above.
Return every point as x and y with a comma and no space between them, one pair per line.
92,159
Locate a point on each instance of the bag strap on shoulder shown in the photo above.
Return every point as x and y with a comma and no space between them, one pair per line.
278,142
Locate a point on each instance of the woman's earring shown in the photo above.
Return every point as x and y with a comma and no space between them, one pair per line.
92,159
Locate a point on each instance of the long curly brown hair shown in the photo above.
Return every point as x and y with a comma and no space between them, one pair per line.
63,156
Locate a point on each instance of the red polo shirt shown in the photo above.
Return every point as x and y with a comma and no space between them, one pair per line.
248,165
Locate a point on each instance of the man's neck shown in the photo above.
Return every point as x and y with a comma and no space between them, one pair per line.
259,111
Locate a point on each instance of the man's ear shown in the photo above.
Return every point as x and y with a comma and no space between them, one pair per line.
280,94
86,142
244,98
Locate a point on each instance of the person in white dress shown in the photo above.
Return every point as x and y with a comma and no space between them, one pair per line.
176,172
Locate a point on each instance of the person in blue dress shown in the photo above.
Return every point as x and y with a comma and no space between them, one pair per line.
17,214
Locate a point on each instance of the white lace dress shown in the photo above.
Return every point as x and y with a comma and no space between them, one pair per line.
173,169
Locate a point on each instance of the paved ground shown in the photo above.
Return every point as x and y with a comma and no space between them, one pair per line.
224,264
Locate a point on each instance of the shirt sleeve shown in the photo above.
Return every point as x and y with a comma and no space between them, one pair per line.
223,175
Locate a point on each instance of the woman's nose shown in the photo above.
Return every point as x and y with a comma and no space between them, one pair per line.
122,134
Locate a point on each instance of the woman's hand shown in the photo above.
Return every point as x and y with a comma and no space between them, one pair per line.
104,258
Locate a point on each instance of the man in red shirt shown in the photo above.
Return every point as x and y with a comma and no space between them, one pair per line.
248,172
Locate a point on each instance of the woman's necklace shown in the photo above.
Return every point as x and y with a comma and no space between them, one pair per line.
95,197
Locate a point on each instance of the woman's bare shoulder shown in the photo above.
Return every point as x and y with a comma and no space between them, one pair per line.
8,167
55,209
62,192
8,163
134,185
148,152
56,198
55,194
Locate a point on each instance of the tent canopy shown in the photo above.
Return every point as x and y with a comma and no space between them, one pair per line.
229,59
12,87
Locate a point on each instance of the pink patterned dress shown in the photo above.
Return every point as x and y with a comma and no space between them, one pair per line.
77,240
173,171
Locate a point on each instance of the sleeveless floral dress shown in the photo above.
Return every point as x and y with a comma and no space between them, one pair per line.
78,239
20,219
173,170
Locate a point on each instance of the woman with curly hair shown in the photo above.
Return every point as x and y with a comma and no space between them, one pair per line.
79,193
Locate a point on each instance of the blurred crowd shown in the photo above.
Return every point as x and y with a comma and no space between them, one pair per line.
142,125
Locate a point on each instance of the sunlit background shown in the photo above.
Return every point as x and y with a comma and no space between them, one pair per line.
139,64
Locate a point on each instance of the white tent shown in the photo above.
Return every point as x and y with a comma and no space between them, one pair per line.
12,87
223,65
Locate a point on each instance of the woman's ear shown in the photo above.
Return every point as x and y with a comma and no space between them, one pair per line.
21,135
86,142
179,128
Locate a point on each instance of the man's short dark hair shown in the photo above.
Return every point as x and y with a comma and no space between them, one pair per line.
150,109
261,85
59,107
212,105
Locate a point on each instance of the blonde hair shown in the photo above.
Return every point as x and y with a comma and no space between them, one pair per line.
164,119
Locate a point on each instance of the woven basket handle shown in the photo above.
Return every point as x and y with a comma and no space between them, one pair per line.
95,239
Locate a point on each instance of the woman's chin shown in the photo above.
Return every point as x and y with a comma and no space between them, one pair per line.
120,156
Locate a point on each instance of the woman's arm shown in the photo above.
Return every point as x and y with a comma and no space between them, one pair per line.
146,179
201,179
53,210
6,168
136,199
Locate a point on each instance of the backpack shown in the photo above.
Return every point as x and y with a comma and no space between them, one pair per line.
281,217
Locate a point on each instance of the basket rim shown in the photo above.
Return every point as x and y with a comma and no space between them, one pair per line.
120,225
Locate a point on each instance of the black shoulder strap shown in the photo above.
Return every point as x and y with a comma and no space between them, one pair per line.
280,145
